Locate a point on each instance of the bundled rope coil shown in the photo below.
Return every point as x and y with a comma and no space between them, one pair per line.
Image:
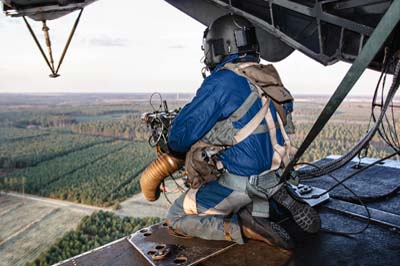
164,166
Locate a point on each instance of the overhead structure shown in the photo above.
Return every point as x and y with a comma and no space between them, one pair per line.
327,31
43,10
365,33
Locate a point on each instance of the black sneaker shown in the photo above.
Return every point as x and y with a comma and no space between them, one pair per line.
303,214
263,230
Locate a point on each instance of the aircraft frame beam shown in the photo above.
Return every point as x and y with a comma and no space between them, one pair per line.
371,48
318,12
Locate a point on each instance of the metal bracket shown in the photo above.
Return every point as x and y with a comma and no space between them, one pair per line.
371,48
50,62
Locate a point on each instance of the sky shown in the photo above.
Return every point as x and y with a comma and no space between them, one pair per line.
136,46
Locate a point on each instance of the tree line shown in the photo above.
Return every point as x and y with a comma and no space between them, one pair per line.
94,231
130,127
102,175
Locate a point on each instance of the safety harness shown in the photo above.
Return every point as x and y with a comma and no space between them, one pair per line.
202,164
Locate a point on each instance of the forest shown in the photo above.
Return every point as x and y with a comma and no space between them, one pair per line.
100,175
94,231
91,149
29,151
97,158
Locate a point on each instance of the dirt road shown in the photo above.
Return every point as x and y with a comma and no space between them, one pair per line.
59,203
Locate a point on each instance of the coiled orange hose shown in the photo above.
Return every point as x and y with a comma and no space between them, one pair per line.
155,173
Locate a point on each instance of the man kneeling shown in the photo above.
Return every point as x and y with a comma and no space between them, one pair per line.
233,134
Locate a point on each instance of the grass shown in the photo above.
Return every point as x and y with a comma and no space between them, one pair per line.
28,227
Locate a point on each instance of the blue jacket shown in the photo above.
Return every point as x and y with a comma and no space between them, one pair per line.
218,97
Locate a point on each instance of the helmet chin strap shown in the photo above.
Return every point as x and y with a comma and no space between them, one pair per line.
204,72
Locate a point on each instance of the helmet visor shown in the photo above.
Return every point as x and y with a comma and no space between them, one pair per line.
245,38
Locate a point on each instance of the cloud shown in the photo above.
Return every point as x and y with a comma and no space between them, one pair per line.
9,20
177,46
108,41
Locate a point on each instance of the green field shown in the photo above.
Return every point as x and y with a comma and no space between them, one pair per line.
101,175
10,134
45,173
96,230
90,149
108,180
346,127
28,227
28,151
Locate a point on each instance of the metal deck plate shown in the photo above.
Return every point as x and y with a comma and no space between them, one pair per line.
379,245
374,183
182,251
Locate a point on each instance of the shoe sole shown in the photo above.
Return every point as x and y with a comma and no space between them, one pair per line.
303,214
272,232
287,240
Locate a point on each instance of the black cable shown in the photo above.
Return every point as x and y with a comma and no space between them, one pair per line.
337,163
164,191
389,129
394,126
395,84
179,187
351,191
352,175
151,103
362,230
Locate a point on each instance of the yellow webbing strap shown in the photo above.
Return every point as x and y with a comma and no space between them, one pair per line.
251,126
227,222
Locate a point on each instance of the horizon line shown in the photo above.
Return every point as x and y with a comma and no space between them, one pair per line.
166,93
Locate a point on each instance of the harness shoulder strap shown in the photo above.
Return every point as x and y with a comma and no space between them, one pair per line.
263,76
223,133
251,126
267,81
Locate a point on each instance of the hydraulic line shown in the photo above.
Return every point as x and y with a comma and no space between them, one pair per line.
369,51
393,140
335,164
45,30
155,173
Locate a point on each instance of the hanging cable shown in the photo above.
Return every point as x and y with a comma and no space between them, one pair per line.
179,187
164,191
335,164
382,131
351,176
358,199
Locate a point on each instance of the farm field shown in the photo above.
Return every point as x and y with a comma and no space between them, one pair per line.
23,152
45,173
347,126
100,175
81,148
12,134
95,230
70,150
28,227
138,206
109,179
90,149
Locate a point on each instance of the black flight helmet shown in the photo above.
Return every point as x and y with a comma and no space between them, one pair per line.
228,35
